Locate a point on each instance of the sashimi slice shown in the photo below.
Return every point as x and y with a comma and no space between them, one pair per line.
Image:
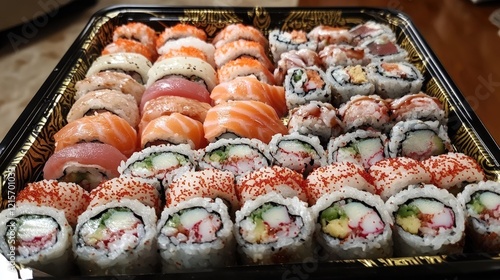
176,86
249,119
250,88
104,128
166,105
96,154
174,129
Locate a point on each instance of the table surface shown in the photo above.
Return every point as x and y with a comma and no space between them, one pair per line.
458,32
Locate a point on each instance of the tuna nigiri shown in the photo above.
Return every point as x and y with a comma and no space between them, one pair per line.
104,128
250,88
173,129
250,119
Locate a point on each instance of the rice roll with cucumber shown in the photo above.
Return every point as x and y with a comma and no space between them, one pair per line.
305,84
37,237
428,221
237,155
196,234
272,229
394,79
418,139
481,204
352,224
117,232
364,147
301,153
281,41
161,162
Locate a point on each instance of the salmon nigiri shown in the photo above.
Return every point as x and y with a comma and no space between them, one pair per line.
248,118
250,88
104,128
173,129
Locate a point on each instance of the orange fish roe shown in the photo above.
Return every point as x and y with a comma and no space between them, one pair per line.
211,183
68,197
282,180
334,176
126,187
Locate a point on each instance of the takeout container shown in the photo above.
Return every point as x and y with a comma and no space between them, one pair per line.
30,142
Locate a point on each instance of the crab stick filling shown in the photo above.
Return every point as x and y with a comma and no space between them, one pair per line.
115,229
268,223
192,225
485,206
349,219
31,234
425,216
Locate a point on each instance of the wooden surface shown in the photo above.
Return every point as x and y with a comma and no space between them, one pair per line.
463,39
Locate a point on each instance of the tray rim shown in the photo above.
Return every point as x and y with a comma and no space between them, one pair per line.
463,265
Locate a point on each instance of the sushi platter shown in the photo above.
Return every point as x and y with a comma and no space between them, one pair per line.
208,142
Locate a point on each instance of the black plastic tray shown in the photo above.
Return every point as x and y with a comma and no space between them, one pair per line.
30,143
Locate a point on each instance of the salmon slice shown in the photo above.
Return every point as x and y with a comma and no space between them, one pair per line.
250,88
104,128
248,118
166,105
174,129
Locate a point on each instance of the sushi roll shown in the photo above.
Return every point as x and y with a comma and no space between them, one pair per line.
418,106
122,45
85,164
167,105
191,41
348,81
117,232
281,41
326,35
481,204
301,153
418,139
173,129
303,85
178,31
137,31
237,155
365,33
208,183
106,100
240,48
363,147
281,180
105,128
250,88
245,66
117,237
161,162
344,55
365,112
196,234
175,86
294,58
239,31
335,176
183,51
453,171
315,118
109,80
38,237
190,68
243,119
384,49
427,221
394,79
391,175
133,64
272,229
353,224
70,198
